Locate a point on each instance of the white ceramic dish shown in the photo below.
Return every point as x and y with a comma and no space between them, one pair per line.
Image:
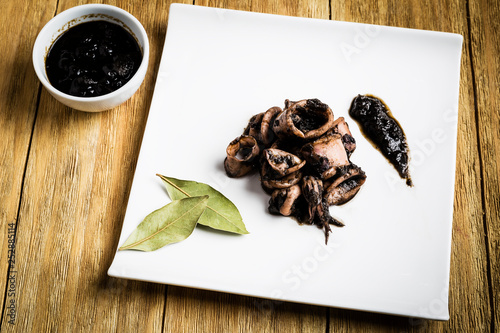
85,13
220,67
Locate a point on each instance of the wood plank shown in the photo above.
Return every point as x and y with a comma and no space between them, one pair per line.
19,88
77,183
190,310
468,295
485,47
79,174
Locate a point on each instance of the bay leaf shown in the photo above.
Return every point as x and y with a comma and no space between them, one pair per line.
220,214
172,223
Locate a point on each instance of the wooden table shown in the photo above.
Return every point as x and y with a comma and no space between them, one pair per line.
65,177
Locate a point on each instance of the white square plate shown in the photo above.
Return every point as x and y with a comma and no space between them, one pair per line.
218,68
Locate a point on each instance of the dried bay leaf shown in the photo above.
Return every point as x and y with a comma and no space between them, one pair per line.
172,223
220,214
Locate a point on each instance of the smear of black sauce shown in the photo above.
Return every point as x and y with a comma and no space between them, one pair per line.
380,127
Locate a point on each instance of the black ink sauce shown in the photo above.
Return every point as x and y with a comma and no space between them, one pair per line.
380,127
93,59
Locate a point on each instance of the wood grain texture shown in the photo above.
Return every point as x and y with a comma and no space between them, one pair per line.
190,310
65,178
485,52
77,182
468,296
18,103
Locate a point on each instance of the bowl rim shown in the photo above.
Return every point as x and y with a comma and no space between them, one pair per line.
40,50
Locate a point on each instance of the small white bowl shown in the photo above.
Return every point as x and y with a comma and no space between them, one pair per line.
85,13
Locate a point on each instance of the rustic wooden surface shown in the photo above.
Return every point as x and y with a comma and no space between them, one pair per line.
65,177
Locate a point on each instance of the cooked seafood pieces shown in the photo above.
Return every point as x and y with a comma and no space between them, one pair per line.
303,156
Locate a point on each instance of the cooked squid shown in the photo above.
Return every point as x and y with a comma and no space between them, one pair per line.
303,157
345,185
242,155
305,119
325,155
285,201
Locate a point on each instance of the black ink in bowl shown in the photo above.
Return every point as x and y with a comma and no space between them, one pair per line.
93,59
